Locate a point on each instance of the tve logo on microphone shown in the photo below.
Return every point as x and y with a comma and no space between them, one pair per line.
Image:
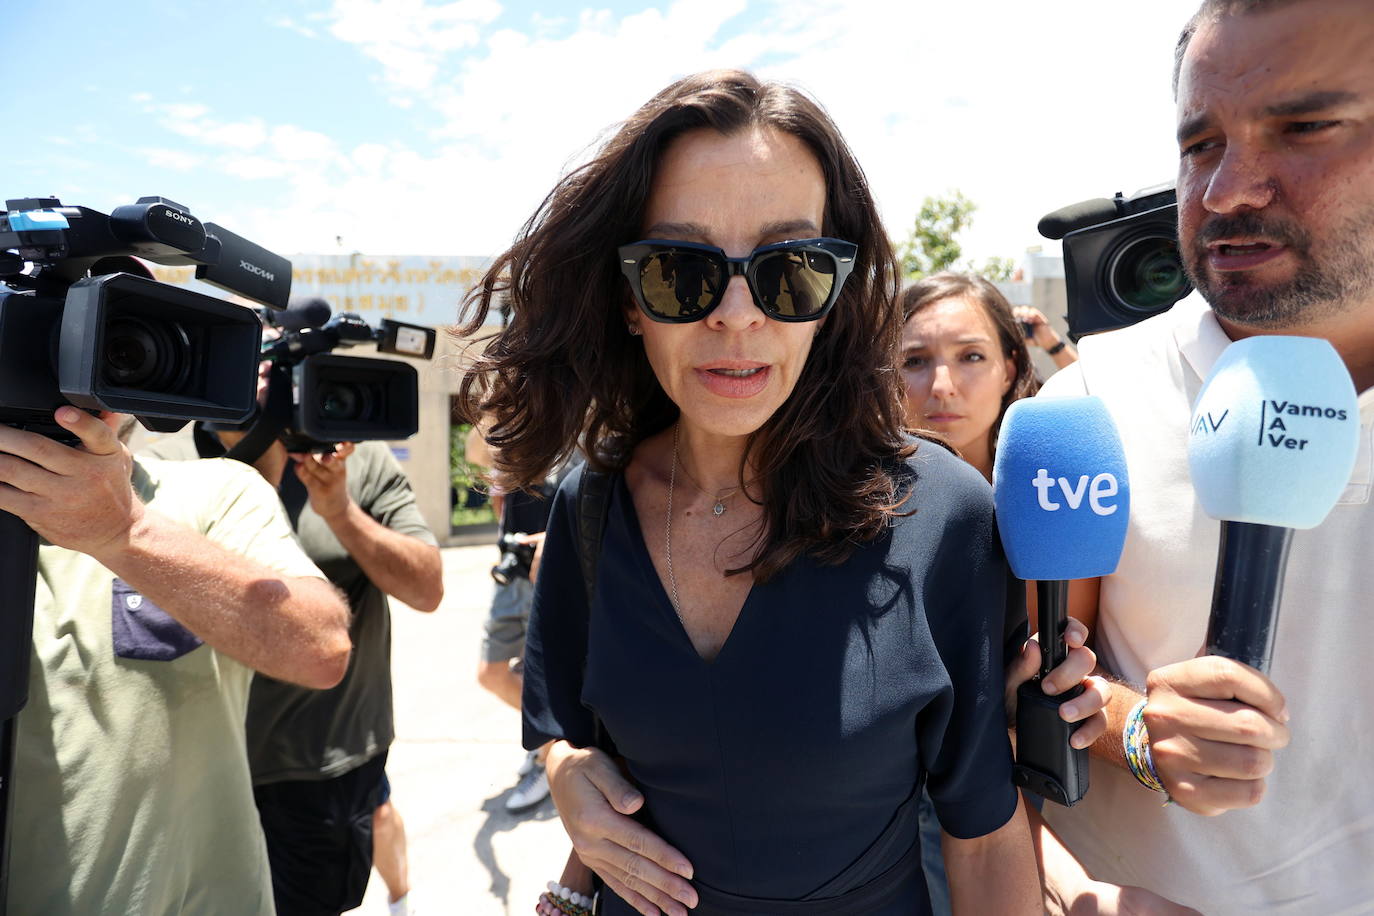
1062,493
1103,487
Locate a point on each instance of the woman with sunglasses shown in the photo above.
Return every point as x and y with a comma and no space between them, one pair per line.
800,615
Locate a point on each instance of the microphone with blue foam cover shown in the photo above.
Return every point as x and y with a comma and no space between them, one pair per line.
1063,502
1063,495
1272,441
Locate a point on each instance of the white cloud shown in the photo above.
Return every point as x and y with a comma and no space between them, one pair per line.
253,168
191,120
183,111
286,22
411,38
297,145
174,159
1023,107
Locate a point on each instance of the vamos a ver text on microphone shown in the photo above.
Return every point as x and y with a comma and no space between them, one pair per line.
1063,497
1272,442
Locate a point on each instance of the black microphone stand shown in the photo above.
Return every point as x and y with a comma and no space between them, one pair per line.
1251,564
18,582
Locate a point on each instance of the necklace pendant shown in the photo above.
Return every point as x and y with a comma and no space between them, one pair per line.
719,508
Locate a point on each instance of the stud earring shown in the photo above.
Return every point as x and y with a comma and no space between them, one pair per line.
633,329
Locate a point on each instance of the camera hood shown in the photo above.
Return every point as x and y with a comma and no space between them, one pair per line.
164,354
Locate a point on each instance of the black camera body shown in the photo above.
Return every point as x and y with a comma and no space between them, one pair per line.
82,323
346,398
517,559
1121,258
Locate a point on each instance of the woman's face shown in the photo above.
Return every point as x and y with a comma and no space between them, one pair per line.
955,372
729,372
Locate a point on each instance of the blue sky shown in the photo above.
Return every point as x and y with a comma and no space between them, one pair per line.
415,127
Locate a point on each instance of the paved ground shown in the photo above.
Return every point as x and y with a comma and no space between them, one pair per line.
454,762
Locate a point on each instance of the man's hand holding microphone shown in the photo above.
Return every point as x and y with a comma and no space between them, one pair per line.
1272,442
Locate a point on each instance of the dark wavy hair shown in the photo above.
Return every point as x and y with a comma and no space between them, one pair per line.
948,284
566,373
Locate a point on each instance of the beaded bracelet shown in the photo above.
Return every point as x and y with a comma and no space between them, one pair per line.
1135,738
567,901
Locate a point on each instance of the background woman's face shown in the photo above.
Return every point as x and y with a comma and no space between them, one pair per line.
955,371
731,371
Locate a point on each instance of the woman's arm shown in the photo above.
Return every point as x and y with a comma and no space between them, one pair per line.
595,802
994,873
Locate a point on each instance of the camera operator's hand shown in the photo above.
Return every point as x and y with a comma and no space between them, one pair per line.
404,567
538,541
326,479
1044,336
79,498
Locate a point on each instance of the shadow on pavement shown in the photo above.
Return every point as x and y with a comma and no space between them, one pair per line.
499,820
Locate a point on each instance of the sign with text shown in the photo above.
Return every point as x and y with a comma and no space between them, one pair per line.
410,288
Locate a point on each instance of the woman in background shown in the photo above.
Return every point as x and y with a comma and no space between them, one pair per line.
963,361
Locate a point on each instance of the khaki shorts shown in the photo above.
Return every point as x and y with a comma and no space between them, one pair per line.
505,625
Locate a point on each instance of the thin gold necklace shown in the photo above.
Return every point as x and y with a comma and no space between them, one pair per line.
719,508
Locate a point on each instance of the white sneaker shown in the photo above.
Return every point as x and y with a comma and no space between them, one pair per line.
402,907
530,762
532,789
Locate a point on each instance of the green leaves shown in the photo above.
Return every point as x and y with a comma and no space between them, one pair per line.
932,245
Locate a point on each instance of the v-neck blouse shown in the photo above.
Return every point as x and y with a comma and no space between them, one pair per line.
777,765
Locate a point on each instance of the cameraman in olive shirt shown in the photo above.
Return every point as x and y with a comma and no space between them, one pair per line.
318,757
161,587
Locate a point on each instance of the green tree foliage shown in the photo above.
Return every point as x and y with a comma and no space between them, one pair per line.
995,268
933,246
469,483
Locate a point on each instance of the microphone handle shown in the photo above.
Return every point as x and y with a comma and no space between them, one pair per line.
1251,563
1045,762
1052,600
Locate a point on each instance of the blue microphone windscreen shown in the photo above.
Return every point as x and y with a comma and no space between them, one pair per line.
1063,496
1275,432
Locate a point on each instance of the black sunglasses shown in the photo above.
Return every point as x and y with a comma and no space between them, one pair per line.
678,282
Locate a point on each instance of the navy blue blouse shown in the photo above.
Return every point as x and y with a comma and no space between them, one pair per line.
783,763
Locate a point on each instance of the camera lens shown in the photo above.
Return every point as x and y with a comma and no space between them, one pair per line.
344,402
1147,275
146,354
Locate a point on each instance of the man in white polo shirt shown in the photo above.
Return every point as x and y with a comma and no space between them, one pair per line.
1276,225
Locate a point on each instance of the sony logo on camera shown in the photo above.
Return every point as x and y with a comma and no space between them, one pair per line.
255,269
179,217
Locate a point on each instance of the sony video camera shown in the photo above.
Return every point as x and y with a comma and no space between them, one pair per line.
343,398
83,323
1121,260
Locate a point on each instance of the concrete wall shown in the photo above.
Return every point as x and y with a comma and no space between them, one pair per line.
425,456
1049,294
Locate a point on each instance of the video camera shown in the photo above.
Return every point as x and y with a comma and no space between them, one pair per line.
342,398
1121,260
83,323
